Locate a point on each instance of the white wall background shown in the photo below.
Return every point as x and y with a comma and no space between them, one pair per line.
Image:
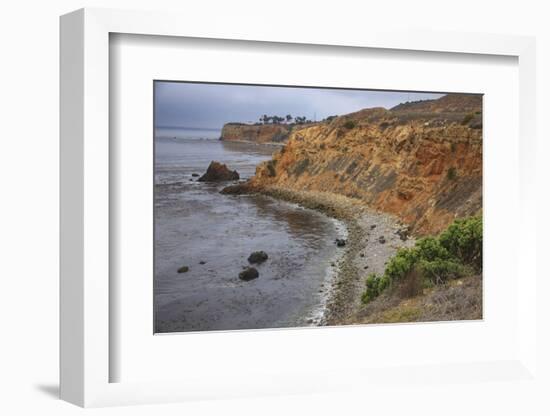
29,182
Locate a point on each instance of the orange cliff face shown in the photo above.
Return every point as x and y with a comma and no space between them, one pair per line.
259,133
420,161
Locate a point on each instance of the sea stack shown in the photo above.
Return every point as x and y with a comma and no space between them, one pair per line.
219,172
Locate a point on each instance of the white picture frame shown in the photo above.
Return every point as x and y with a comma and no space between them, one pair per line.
85,213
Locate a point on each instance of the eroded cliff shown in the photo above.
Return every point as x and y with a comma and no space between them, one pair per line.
257,133
420,161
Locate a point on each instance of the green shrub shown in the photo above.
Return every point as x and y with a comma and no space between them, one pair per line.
350,124
440,270
429,248
401,263
464,240
456,252
451,173
372,288
383,283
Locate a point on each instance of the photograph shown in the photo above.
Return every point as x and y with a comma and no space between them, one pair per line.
241,208
280,206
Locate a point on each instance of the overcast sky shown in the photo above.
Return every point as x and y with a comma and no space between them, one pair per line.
179,104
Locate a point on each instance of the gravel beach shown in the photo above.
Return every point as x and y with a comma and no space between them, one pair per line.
373,238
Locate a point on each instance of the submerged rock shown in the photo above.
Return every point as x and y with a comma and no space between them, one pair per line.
183,269
249,273
202,262
242,188
340,242
257,257
195,174
218,172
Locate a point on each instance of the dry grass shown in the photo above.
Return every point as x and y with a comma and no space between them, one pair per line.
412,286
459,299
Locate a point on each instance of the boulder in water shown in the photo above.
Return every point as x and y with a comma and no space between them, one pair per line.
249,273
218,172
340,242
257,257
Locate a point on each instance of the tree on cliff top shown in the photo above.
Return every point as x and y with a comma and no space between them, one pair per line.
265,119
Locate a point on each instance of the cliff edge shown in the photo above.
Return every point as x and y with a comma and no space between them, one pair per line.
421,161
256,133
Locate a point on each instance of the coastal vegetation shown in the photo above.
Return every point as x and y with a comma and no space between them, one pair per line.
451,173
350,124
456,252
275,119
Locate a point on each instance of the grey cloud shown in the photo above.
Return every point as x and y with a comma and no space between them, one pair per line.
212,105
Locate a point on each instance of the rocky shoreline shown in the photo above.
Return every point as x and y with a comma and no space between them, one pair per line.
372,238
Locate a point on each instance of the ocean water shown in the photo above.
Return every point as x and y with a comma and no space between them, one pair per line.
186,133
194,223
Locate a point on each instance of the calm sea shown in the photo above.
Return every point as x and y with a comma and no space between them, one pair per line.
187,133
194,223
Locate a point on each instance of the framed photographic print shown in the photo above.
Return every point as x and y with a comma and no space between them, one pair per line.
306,217
310,220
